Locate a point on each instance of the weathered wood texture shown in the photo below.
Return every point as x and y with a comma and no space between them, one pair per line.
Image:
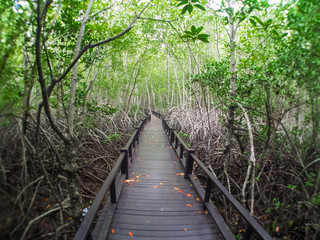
157,202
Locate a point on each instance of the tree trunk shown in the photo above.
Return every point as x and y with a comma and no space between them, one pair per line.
168,82
74,75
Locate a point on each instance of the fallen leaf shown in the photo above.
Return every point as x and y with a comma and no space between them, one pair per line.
195,178
178,190
137,176
161,184
180,174
130,234
198,199
148,175
46,199
188,205
277,229
48,205
199,212
113,231
137,180
128,180
148,221
206,212
155,186
188,195
133,173
186,229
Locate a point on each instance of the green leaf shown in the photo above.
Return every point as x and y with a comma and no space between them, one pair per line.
200,7
184,9
188,32
203,40
268,22
194,30
194,1
183,2
199,29
253,22
203,35
190,8
258,20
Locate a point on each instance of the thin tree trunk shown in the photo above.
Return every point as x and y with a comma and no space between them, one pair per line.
168,82
177,80
74,75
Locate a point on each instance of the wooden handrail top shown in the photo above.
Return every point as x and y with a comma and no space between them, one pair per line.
130,140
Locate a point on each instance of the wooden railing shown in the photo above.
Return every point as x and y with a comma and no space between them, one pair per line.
109,185
188,163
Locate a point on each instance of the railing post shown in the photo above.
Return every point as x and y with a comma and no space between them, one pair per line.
248,233
208,190
113,192
124,164
181,151
172,136
176,142
189,163
130,150
136,138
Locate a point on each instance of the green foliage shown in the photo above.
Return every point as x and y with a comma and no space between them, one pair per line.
185,137
112,138
189,6
316,200
194,34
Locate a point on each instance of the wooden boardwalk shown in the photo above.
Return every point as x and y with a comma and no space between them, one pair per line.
157,202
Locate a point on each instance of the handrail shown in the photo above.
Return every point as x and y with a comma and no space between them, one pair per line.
175,140
84,230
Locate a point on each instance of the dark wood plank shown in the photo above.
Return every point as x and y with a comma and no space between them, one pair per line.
127,237
183,232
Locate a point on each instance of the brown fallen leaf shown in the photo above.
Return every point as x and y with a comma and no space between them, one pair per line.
206,212
137,176
188,195
186,229
148,175
199,212
155,186
137,180
180,174
161,184
178,190
128,180
130,234
188,205
195,178
198,199
113,231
